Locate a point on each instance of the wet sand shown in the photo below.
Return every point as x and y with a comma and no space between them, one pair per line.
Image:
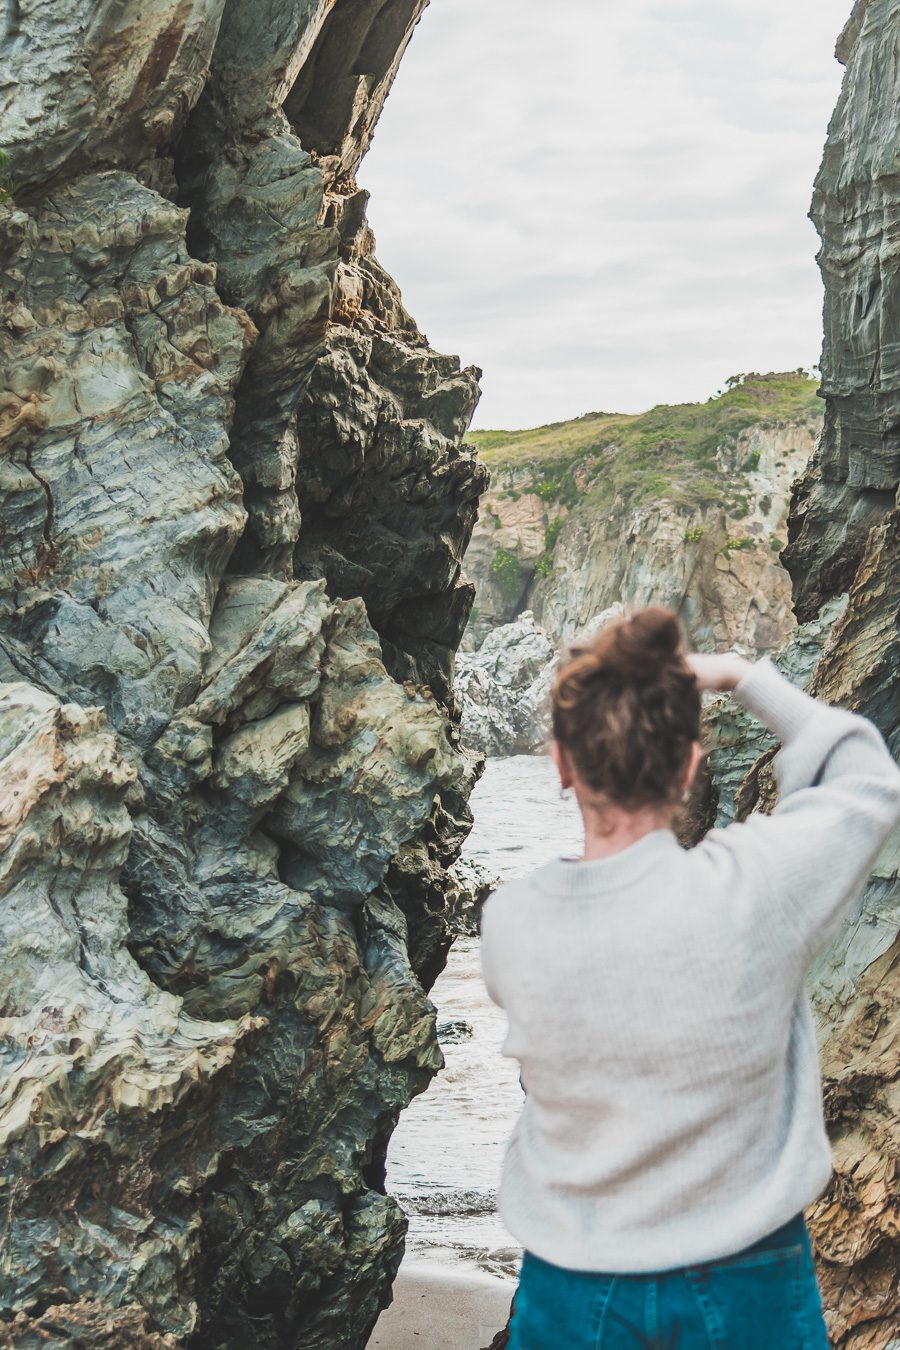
442,1309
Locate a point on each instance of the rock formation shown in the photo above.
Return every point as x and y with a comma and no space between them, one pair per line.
235,500
469,885
503,688
844,536
677,506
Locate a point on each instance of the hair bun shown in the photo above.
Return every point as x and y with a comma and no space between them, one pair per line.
626,711
640,647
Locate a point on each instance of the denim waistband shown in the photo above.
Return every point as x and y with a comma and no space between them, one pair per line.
788,1235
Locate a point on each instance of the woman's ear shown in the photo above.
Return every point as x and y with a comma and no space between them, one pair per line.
562,766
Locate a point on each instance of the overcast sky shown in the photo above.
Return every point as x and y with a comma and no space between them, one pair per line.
604,204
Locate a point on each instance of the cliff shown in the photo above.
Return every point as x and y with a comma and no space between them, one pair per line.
683,505
235,500
844,536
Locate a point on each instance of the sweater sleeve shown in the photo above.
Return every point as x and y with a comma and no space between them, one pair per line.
839,800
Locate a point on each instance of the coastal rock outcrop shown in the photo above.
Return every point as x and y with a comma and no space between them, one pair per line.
235,500
470,884
504,687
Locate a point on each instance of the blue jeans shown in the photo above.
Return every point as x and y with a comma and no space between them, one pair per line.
763,1298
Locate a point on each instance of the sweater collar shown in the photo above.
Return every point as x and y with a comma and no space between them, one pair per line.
572,876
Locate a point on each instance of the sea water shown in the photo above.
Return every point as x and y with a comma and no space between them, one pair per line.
445,1156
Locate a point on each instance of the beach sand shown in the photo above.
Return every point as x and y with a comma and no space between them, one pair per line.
442,1309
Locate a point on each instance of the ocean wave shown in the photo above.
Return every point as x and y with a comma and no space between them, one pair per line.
448,1204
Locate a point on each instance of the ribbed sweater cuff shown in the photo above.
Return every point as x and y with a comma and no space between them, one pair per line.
778,704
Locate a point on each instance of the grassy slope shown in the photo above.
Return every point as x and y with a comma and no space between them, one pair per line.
669,451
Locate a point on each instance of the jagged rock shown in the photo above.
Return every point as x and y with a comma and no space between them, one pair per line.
85,1324
120,506
852,481
373,464
100,83
228,823
388,497
102,1069
858,990
454,1031
469,883
503,687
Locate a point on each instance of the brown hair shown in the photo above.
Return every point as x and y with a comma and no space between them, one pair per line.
626,709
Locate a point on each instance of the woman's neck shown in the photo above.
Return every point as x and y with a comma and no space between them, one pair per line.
609,830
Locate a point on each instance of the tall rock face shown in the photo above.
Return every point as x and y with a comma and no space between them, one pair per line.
845,537
852,483
235,500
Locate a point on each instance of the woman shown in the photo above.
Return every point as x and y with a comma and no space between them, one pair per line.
672,1131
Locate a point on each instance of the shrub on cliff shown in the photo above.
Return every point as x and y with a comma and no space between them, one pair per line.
736,545
551,534
507,572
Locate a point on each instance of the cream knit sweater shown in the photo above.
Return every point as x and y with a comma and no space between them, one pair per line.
655,1002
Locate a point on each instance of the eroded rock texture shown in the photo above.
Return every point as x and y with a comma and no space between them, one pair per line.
234,505
845,536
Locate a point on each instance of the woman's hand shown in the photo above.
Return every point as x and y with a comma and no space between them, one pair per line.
719,671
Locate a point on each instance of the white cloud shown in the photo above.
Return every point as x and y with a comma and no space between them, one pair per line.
605,207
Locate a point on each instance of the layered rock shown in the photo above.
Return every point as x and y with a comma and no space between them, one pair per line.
346,420
844,533
470,885
857,991
235,501
852,482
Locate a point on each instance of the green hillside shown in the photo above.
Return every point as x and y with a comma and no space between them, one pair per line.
669,451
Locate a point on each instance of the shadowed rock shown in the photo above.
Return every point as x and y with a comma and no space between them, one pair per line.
852,481
227,823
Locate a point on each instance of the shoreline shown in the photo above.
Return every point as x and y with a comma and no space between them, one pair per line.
441,1308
